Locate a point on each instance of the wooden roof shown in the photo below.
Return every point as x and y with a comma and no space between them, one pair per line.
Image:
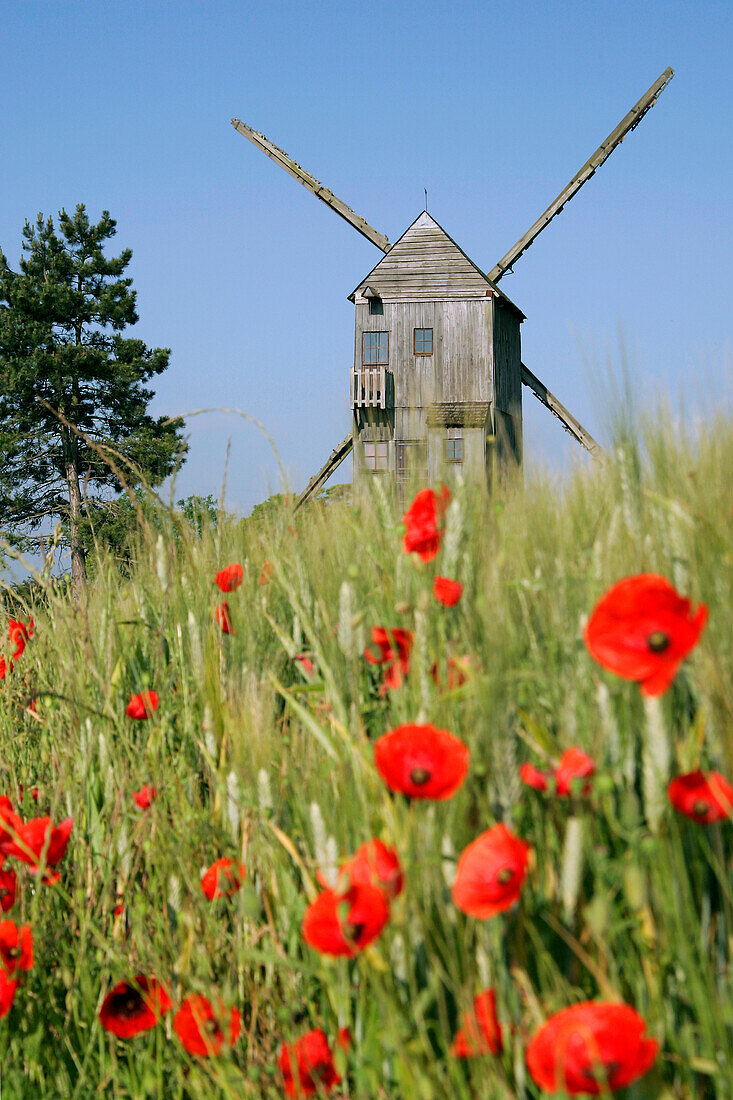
426,263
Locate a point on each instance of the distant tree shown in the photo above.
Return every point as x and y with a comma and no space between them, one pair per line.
62,316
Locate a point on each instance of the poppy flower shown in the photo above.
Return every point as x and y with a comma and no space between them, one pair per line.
490,873
145,797
306,664
394,653
264,577
19,634
574,764
8,887
459,672
40,838
344,923
704,798
421,761
230,577
222,879
10,822
223,616
203,1029
16,946
142,706
377,865
21,792
5,668
591,1048
422,533
642,629
481,1031
134,1006
8,987
446,591
307,1065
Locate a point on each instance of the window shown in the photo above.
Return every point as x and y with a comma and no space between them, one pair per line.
376,455
376,307
375,349
423,341
454,449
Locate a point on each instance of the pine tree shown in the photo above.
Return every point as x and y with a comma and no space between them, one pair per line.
62,316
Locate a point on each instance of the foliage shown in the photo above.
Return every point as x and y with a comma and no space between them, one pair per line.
259,760
74,425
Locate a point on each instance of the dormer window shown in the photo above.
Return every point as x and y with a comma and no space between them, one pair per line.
376,307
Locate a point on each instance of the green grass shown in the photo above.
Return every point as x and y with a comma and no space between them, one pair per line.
255,762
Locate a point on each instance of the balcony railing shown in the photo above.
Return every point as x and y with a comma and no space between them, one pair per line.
369,387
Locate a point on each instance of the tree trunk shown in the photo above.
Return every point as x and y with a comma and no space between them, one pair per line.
78,566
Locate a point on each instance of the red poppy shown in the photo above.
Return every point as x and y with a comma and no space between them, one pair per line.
490,873
8,987
222,879
204,1029
223,616
306,664
134,1006
422,533
5,668
642,630
39,839
459,672
21,792
574,764
344,923
145,797
19,634
16,946
230,577
264,577
142,706
421,761
307,1065
446,591
10,822
394,653
376,864
704,798
592,1048
8,887
481,1031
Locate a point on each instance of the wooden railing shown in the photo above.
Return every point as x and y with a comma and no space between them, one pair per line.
369,387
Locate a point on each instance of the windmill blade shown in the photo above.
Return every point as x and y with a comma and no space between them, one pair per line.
334,460
312,184
566,418
602,153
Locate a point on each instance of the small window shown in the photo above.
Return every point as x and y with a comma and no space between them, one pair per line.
376,455
423,341
376,307
375,349
454,449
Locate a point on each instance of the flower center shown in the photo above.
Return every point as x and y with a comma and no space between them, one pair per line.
210,1028
658,641
14,953
700,807
353,932
605,1073
504,876
419,776
127,1004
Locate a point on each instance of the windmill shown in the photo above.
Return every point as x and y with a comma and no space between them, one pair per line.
436,383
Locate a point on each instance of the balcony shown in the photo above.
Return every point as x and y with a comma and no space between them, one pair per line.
369,387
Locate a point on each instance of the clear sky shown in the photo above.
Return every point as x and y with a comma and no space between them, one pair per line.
491,106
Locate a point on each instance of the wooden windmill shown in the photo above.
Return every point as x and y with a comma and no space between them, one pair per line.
436,383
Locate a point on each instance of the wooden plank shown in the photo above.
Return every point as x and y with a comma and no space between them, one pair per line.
312,184
334,460
602,153
568,421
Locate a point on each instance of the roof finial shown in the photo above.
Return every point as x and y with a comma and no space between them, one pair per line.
426,199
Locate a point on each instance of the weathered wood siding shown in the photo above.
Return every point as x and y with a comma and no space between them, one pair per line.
425,263
507,360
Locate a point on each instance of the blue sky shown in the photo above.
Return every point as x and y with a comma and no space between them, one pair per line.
491,106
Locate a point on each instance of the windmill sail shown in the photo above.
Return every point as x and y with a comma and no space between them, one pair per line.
312,184
334,460
602,153
566,418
